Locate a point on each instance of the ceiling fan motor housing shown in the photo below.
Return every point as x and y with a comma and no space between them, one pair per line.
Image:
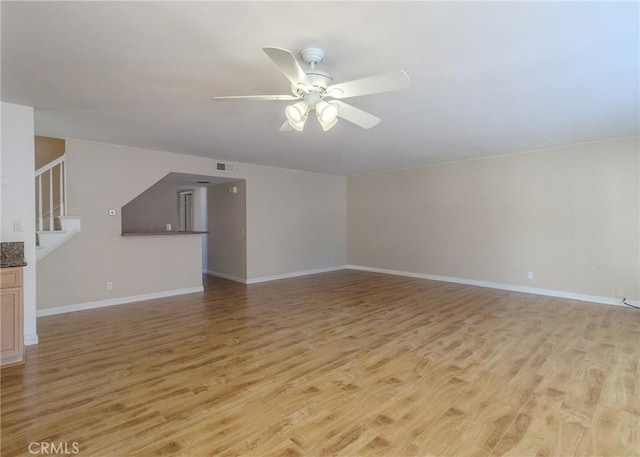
319,82
319,79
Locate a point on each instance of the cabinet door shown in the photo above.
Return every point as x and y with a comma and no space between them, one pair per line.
11,328
10,278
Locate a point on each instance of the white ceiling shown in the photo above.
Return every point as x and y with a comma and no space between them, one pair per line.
487,78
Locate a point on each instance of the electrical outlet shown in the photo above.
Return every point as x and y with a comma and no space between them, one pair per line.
168,227
18,225
530,275
109,285
619,293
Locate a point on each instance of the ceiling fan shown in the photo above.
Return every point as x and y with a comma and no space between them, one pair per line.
314,90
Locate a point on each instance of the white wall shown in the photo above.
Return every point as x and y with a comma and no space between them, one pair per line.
295,221
18,198
569,215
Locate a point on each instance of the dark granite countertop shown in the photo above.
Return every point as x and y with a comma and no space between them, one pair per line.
12,254
13,263
193,232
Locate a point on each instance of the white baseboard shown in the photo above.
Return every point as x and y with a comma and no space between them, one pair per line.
294,274
30,339
33,338
115,301
226,276
496,285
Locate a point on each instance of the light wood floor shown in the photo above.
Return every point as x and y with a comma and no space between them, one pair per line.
345,363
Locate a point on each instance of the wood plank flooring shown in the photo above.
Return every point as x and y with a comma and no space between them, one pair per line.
344,363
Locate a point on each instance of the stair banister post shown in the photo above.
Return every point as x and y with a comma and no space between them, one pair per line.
62,209
40,222
51,199
66,205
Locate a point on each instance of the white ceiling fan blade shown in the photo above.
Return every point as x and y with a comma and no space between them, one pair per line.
257,97
289,66
386,82
356,115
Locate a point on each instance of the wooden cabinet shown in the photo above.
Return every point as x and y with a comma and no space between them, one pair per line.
12,339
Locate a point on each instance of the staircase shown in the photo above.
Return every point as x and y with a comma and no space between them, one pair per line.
53,226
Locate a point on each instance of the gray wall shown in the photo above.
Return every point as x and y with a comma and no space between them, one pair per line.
152,210
227,244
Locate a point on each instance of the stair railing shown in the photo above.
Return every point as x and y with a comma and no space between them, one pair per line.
55,176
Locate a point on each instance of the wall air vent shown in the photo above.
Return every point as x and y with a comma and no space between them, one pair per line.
221,166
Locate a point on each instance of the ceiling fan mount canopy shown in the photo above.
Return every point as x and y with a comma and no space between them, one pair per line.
314,90
312,56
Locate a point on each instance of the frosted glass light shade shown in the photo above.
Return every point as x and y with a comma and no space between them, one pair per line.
327,125
326,112
297,125
297,112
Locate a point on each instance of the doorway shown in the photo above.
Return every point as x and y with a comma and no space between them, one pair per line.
185,211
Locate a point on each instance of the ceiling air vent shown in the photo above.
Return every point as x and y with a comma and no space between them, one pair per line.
221,166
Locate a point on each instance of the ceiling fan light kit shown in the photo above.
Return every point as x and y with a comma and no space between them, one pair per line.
297,111
327,112
315,91
298,125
